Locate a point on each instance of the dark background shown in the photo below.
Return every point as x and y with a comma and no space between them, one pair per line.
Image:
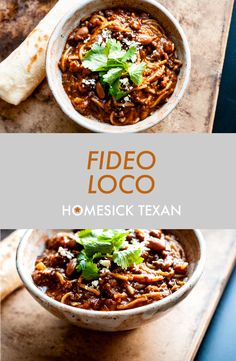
219,342
225,119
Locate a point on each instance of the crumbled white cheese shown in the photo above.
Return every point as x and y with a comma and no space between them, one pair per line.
105,263
95,283
125,85
99,39
103,37
106,33
65,253
89,81
134,244
134,241
86,40
140,244
127,98
127,41
130,43
134,58
124,81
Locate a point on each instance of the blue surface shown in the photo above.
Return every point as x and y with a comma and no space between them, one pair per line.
225,119
219,344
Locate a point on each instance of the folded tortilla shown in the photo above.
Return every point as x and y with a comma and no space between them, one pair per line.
9,279
24,69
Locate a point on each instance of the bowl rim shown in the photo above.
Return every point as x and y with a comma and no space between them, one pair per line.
108,128
154,306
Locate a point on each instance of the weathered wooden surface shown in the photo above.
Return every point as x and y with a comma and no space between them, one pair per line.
206,24
30,333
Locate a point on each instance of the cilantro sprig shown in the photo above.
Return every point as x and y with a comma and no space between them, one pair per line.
127,258
104,243
112,62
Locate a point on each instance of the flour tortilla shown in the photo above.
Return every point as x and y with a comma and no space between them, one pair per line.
9,279
24,69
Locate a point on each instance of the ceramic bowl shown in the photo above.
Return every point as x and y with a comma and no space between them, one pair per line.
72,19
32,245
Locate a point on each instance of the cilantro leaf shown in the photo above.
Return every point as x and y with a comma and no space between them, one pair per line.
85,233
119,238
115,49
95,62
82,259
127,258
90,272
100,241
135,72
112,75
95,58
129,53
97,246
112,62
104,243
116,91
89,269
98,255
98,49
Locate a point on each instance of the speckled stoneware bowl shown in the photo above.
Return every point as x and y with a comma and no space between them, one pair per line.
72,19
32,246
